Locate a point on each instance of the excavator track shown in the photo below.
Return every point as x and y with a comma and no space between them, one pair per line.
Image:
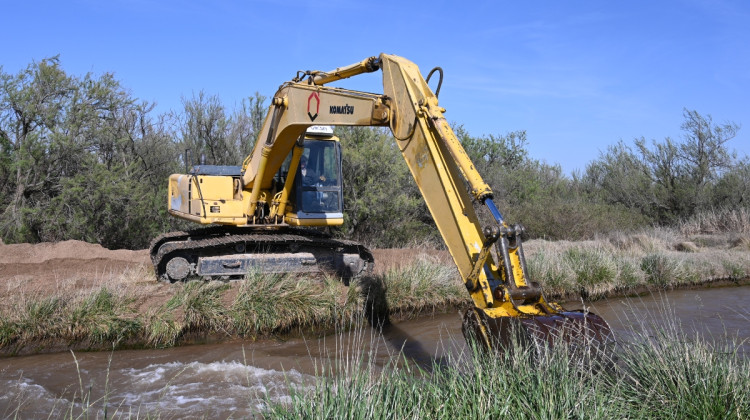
227,252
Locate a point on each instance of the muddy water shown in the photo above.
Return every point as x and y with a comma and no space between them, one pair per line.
236,379
720,315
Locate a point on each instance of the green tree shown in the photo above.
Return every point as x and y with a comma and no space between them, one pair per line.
32,108
668,180
732,190
247,122
208,132
80,158
205,130
705,153
382,205
537,194
619,176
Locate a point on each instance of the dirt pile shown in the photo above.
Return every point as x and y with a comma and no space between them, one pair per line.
39,267
74,250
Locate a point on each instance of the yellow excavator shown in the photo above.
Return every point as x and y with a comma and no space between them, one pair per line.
263,213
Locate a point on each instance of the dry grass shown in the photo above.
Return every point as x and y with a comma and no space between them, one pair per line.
735,221
425,284
135,310
618,263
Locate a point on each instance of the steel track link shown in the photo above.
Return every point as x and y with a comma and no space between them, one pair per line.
202,242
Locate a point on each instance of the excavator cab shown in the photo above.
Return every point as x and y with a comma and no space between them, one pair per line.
317,197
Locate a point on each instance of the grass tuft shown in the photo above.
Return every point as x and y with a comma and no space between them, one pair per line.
591,266
272,303
660,269
202,305
424,285
662,375
101,318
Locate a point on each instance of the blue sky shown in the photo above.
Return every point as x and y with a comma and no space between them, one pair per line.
577,76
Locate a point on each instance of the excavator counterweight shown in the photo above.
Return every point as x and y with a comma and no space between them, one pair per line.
264,211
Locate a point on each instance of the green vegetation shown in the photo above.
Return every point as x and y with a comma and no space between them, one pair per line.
274,303
422,286
80,158
654,375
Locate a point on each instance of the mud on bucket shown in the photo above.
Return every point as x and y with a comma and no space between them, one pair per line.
584,333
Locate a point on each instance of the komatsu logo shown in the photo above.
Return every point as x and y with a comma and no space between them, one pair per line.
313,96
342,109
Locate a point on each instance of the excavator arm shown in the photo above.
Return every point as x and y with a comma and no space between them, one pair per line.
490,260
504,299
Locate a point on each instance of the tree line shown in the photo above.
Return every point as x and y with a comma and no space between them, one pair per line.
82,158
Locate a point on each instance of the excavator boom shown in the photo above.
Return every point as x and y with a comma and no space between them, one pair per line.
490,259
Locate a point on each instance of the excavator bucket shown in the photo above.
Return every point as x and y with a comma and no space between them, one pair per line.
583,332
513,310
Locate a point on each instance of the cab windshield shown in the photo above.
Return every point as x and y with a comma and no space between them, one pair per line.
318,178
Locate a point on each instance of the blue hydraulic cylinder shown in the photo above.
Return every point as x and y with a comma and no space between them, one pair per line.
495,212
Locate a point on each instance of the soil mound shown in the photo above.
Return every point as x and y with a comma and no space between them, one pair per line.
45,267
75,250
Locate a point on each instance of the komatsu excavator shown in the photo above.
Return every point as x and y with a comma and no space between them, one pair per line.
263,211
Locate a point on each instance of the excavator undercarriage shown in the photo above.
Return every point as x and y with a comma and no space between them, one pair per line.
227,252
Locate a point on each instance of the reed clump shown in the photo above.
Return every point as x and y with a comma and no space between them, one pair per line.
426,285
657,372
273,303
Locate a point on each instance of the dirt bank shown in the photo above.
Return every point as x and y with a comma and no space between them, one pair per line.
38,283
73,294
46,268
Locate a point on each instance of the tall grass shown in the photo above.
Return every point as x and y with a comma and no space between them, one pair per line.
272,303
424,285
95,319
101,317
667,376
194,307
652,376
262,305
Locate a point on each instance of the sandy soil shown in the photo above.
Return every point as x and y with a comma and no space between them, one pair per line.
47,267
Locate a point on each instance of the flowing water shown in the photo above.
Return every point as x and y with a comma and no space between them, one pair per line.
237,379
